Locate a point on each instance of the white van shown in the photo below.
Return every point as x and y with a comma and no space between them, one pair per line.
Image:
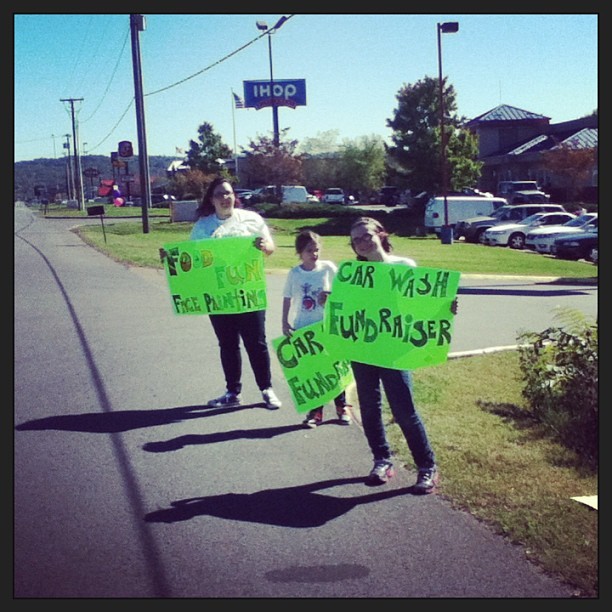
294,194
459,207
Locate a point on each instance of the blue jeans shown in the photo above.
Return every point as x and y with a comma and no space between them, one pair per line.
251,328
398,389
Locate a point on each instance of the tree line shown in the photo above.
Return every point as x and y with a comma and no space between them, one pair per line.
412,161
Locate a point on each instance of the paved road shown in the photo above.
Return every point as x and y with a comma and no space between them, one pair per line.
126,486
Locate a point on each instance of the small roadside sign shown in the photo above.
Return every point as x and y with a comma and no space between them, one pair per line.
94,211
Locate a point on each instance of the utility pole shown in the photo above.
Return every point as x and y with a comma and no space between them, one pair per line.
69,176
77,157
137,24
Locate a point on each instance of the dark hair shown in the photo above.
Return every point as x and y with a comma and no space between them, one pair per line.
206,206
304,238
378,227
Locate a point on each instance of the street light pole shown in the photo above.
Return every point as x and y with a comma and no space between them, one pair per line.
262,25
137,24
446,233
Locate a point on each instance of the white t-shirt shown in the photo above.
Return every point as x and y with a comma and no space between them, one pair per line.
397,259
241,223
307,289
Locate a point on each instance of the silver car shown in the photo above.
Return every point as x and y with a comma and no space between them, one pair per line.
541,239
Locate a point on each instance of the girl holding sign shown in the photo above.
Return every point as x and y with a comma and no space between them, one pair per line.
306,289
219,216
370,242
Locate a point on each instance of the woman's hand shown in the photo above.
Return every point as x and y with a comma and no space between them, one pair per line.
265,246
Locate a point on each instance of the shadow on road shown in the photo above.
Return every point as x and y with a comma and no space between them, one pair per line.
297,507
125,420
522,292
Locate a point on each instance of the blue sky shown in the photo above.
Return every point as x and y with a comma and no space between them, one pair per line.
353,66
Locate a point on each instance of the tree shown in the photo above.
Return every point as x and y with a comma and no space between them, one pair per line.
204,154
362,164
415,156
462,155
190,185
271,165
323,142
573,166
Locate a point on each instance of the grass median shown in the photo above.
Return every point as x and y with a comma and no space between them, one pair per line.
494,464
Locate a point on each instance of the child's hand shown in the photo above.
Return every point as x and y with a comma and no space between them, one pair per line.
287,329
162,254
454,306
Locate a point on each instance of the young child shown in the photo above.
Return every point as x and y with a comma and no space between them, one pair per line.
306,289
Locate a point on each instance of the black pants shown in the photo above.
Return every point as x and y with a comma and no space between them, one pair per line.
251,327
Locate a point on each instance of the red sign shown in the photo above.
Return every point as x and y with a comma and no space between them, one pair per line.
125,149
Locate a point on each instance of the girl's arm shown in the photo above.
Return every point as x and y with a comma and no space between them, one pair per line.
287,328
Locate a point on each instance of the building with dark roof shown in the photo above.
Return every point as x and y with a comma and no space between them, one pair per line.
511,143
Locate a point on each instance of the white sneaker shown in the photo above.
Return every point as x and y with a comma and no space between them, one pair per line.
272,402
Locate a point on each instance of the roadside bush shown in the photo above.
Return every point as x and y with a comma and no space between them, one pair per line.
560,370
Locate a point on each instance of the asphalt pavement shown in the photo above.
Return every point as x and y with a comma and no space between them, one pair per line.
127,486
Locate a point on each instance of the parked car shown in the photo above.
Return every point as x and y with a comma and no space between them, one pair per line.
583,245
389,195
266,194
541,239
513,234
295,194
243,194
521,192
333,195
473,229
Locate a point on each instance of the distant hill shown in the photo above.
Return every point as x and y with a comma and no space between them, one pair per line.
52,174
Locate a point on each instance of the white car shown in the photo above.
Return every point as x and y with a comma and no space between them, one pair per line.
513,234
333,195
541,239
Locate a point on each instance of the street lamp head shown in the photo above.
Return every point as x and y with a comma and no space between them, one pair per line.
263,26
280,22
449,27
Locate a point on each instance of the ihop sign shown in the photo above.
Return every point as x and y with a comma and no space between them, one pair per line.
261,94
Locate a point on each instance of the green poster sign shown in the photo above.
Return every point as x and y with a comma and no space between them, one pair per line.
215,276
315,375
391,315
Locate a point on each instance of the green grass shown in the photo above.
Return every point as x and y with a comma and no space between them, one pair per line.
500,466
494,463
126,242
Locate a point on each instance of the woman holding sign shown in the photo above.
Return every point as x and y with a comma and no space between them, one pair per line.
220,216
370,242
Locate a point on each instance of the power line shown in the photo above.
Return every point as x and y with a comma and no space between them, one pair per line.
211,65
176,84
111,78
167,87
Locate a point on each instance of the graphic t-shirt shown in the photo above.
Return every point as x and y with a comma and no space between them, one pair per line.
307,290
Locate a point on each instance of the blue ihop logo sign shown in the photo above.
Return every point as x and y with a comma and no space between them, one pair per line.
260,94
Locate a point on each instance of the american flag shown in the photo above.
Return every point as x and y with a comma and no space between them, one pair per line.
238,101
